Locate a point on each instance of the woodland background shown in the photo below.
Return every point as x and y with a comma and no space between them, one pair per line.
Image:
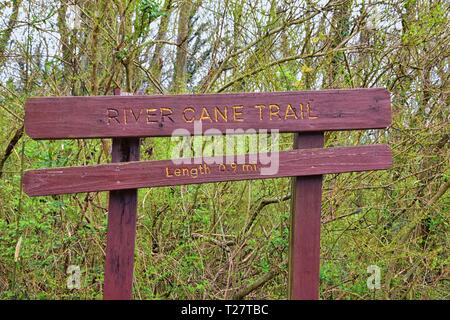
230,240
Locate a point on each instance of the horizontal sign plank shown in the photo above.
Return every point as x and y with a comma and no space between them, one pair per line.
161,115
130,175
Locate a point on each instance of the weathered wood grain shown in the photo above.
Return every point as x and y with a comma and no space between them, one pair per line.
144,116
122,214
154,173
304,248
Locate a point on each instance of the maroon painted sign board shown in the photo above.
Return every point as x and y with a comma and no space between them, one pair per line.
152,116
144,174
126,118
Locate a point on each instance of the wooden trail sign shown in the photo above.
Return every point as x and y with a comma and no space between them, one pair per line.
126,118
132,175
151,116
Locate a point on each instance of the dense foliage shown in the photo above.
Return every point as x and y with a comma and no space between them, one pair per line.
230,240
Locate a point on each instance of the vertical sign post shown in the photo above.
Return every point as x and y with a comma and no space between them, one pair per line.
304,249
121,227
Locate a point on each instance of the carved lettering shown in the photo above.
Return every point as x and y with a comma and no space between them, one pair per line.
260,107
166,112
205,115
274,110
223,115
189,118
237,114
151,115
309,111
112,114
218,114
290,112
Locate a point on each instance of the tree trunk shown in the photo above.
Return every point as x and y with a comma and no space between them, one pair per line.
157,60
6,35
179,74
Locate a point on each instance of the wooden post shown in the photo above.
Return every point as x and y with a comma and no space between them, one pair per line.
304,249
121,235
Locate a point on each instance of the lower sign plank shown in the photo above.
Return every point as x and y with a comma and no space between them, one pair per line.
131,175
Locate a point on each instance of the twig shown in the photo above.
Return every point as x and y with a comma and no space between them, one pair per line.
440,192
12,143
262,204
257,284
